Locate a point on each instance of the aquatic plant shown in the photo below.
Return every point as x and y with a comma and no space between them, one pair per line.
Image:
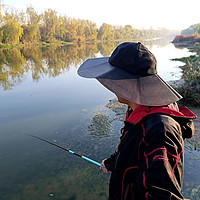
194,195
101,125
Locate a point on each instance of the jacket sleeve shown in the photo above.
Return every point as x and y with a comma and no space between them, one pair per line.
110,162
161,165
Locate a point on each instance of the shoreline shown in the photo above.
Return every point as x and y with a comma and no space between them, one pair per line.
189,83
42,44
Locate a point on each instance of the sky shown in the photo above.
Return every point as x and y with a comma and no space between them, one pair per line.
171,14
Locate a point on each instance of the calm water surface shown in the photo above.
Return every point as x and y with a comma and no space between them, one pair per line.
41,94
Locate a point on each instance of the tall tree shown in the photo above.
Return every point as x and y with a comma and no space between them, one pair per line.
50,24
81,30
91,30
32,29
32,17
106,32
12,31
128,32
71,27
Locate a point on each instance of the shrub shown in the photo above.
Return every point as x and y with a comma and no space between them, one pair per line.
190,90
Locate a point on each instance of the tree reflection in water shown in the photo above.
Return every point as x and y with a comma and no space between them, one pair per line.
15,63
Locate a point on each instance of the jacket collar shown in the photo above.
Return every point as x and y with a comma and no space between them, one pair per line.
142,111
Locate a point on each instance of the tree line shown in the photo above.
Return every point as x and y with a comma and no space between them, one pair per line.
193,29
30,27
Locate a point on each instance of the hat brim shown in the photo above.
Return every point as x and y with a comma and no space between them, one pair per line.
95,67
149,90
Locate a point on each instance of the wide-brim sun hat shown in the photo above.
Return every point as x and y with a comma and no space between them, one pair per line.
131,73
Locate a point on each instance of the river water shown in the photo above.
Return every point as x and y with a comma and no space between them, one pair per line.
41,94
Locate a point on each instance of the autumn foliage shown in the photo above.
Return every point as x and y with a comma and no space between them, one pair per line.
187,38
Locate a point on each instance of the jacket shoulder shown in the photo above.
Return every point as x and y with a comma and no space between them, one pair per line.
159,121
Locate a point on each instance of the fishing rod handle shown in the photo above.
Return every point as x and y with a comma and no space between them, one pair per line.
92,161
85,158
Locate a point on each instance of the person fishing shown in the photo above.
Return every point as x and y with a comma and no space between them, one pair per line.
148,162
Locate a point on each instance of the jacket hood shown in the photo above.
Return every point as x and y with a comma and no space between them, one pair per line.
181,114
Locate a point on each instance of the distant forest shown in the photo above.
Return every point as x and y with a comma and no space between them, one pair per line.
29,27
193,29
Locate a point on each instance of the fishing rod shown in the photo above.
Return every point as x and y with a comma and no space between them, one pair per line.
68,150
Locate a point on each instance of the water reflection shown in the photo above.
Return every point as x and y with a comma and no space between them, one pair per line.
40,61
12,68
15,63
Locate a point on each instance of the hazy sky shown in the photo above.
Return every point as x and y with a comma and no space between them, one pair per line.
172,14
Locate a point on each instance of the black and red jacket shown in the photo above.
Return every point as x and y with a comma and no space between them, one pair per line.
148,163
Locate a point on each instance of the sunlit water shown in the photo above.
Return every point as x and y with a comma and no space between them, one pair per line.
47,99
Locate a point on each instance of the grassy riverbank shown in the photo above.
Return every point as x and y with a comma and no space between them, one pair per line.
190,87
42,44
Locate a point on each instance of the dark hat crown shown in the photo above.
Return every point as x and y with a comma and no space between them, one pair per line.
134,58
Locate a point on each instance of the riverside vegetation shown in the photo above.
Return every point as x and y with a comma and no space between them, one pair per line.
190,88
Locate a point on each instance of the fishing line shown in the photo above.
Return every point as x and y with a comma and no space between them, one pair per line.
65,149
